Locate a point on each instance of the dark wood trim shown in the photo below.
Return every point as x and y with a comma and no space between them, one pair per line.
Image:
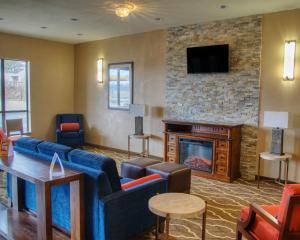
178,122
119,150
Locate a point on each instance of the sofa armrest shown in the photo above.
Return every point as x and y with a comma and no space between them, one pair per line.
126,212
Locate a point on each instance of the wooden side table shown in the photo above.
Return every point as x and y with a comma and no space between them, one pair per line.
177,206
145,143
273,157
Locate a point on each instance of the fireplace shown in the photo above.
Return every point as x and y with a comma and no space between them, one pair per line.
196,154
211,150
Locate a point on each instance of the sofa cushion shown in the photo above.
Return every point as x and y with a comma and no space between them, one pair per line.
28,143
261,229
49,148
140,181
125,180
65,127
98,162
290,190
70,134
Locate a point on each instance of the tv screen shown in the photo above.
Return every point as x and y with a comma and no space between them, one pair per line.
208,59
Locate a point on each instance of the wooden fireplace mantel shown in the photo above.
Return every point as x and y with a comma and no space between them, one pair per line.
226,138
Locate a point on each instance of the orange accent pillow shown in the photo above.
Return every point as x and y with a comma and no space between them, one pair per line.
140,180
64,127
290,190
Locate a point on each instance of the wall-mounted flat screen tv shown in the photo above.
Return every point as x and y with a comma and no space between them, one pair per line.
208,59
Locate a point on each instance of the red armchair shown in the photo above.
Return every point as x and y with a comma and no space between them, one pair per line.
274,222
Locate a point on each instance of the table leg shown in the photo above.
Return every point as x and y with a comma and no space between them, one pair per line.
128,146
17,200
143,148
44,215
148,147
258,172
279,175
157,227
167,226
77,209
286,171
204,223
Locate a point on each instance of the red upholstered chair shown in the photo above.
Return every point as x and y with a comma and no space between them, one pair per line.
274,222
2,134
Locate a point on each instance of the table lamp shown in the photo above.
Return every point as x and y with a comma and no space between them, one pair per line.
278,121
139,111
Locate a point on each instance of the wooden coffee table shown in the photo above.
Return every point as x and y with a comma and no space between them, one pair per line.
177,206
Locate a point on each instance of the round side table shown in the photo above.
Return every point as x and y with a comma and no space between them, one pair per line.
278,158
177,206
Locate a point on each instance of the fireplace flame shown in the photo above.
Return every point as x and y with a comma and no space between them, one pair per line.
198,162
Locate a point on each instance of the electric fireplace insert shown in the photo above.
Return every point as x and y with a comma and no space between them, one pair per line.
196,154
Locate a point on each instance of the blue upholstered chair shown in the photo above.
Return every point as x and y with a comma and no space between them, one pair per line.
73,138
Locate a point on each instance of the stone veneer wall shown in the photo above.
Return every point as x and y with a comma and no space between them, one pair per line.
227,97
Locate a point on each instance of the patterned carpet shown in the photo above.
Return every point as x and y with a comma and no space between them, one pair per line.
224,203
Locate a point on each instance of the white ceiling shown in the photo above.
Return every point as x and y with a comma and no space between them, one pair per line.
97,19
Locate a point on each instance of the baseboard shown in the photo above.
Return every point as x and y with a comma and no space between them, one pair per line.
120,150
273,179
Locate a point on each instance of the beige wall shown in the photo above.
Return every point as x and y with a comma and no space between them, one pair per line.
51,78
111,127
276,94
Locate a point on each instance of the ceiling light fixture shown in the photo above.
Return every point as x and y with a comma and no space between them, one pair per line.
223,6
79,34
74,19
1,18
123,10
44,27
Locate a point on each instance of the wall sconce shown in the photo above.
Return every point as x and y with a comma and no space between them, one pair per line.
100,70
289,60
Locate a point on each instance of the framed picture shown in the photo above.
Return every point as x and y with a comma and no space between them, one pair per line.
120,85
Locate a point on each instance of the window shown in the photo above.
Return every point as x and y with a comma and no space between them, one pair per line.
120,85
14,92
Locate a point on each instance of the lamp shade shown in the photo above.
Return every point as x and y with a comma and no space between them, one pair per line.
276,119
137,110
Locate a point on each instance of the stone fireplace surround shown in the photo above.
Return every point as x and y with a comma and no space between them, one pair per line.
227,97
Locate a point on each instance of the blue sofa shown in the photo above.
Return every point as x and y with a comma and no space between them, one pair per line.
110,212
70,138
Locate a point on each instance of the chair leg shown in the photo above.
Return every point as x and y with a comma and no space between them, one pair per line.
161,228
238,235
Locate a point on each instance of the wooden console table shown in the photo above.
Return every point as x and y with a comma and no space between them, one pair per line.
224,138
32,169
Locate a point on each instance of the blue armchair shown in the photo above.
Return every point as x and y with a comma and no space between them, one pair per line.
70,138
